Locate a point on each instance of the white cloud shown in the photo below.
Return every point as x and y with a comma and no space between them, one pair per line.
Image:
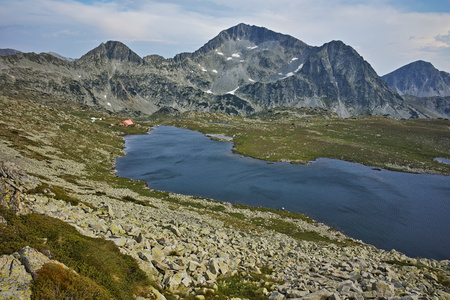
444,38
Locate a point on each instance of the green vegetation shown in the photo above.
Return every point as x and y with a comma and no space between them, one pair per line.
57,191
135,201
54,282
95,258
241,285
289,229
237,286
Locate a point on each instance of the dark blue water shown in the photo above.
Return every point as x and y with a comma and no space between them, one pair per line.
391,210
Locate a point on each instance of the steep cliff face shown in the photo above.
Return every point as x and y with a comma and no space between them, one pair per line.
243,70
333,77
420,79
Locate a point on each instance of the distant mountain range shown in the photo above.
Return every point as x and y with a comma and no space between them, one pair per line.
243,70
6,52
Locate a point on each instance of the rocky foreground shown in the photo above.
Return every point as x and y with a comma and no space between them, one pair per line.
187,251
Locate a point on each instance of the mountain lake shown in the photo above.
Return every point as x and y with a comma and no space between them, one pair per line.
390,210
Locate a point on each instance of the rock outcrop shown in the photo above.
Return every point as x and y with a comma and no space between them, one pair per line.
14,279
13,182
18,270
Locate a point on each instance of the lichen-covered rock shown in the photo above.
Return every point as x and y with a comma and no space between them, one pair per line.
32,259
319,295
277,296
383,289
14,280
13,182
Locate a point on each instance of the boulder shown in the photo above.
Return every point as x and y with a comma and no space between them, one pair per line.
161,267
383,289
277,296
142,256
32,259
319,295
14,280
292,293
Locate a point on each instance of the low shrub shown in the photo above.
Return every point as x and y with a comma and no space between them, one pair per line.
54,282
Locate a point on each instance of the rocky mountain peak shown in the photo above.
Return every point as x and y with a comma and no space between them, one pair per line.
248,35
254,34
112,50
420,79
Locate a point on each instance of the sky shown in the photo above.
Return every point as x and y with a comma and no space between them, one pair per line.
387,33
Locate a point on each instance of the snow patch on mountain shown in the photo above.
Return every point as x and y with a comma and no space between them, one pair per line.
299,68
233,91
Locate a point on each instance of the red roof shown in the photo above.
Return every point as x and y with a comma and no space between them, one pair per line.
127,122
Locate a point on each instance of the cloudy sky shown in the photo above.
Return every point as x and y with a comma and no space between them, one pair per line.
387,33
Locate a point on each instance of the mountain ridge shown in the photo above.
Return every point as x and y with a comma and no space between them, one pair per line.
243,70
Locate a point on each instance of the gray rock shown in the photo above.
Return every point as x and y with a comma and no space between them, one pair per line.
196,254
334,296
161,267
383,289
420,79
173,229
32,259
142,256
286,73
277,296
14,280
319,295
296,293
